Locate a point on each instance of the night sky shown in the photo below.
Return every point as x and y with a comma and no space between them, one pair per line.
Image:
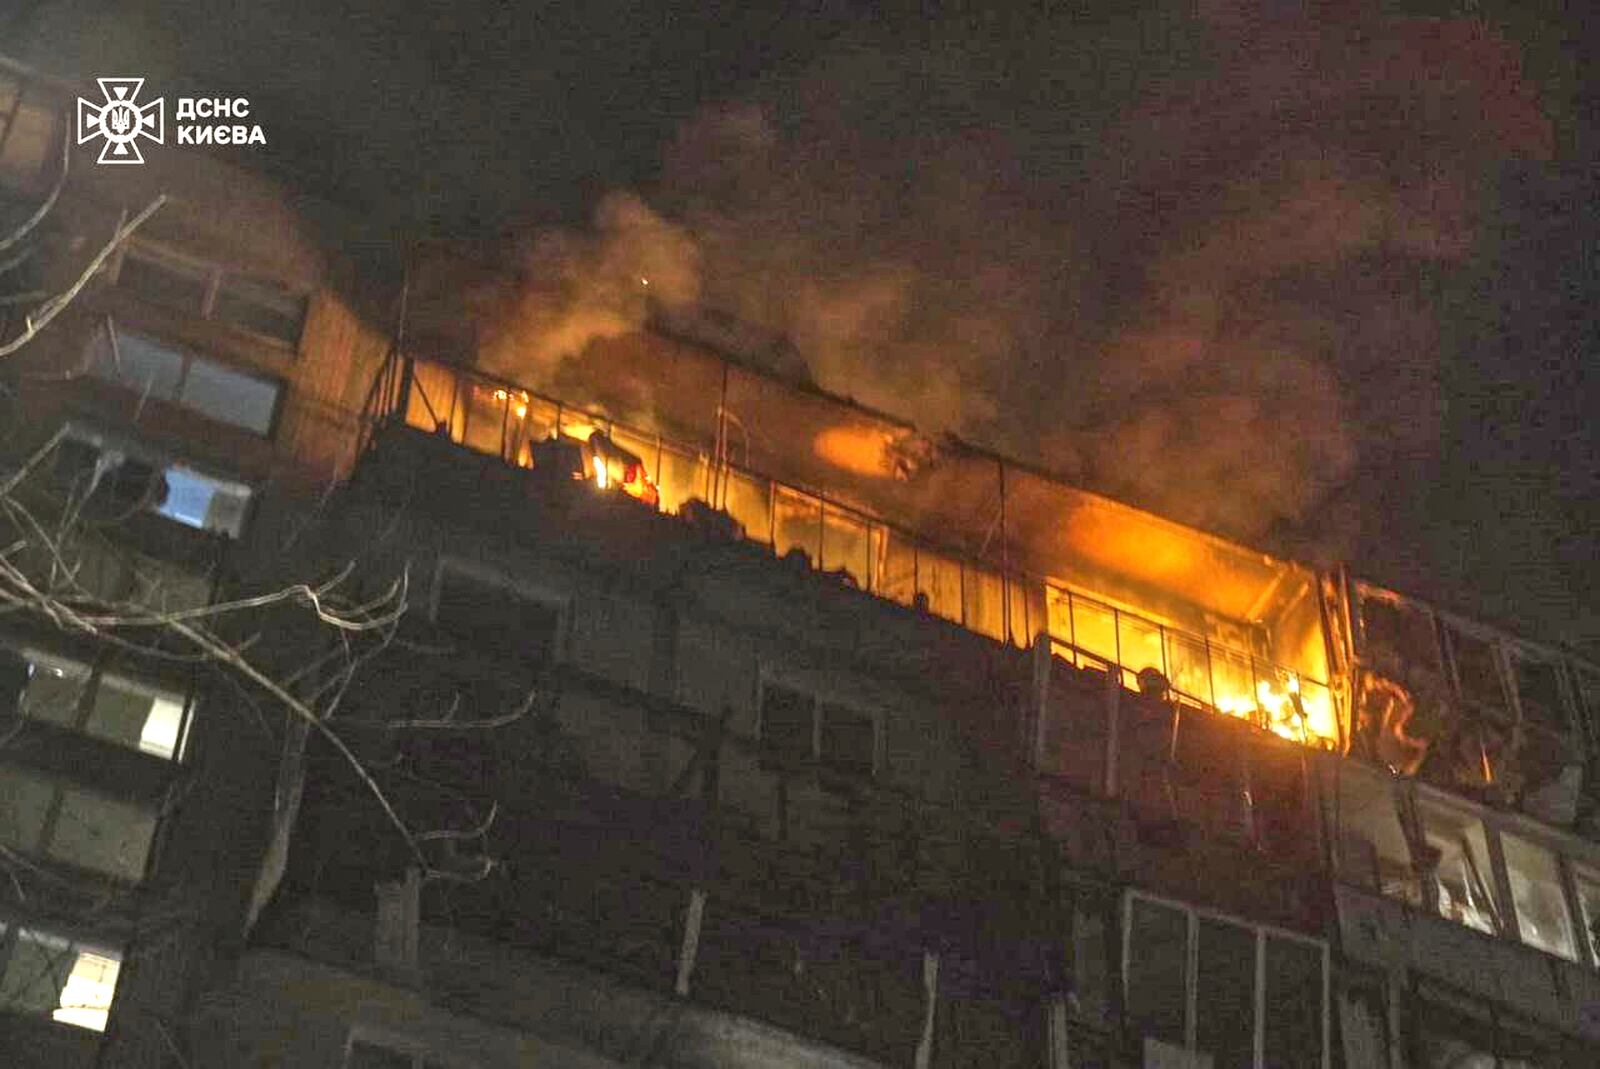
1320,277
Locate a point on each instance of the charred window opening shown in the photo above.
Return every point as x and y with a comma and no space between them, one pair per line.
1400,631
1477,670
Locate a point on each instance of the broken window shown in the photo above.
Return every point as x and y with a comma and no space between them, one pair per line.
1537,896
1398,630
1458,858
49,818
46,974
1477,670
1225,989
1372,850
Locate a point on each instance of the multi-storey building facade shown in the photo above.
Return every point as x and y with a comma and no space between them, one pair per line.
733,724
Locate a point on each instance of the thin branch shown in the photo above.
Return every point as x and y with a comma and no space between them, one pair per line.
46,312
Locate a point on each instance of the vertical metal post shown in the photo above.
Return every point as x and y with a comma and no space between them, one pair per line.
1005,560
690,949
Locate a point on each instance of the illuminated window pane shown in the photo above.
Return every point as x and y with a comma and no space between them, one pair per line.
102,834
86,999
896,575
1189,667
1537,897
1028,616
136,715
1233,683
984,608
1094,628
431,397
1139,646
797,519
682,477
845,545
204,502
749,500
484,411
36,972
1462,875
939,577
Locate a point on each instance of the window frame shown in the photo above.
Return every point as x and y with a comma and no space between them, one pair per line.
59,785
215,277
188,355
11,930
819,698
1192,915
544,597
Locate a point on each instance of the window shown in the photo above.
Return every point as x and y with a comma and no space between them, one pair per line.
1372,848
125,480
797,728
100,703
1225,989
1458,856
1399,630
160,371
1477,669
67,823
207,291
490,617
1539,689
1536,895
47,974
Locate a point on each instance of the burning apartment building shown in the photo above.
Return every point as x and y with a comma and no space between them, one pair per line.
729,722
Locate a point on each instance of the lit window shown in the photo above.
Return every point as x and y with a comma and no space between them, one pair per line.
46,974
1459,858
1372,848
162,372
204,502
132,713
1536,893
122,477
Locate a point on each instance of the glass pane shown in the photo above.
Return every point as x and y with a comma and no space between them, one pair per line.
204,502
985,603
432,396
1094,628
261,307
26,797
533,420
844,545
1539,688
120,710
939,579
90,987
54,688
103,834
165,279
848,739
142,364
1398,634
1372,850
485,412
229,396
36,973
1189,667
1225,994
1292,1031
1028,616
1158,955
1139,643
797,521
683,476
749,500
1536,894
896,575
1477,670
1233,683
1460,854
786,723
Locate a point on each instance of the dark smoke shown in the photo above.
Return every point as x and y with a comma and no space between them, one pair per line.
1206,293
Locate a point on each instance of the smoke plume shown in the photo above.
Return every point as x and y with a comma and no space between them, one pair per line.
1199,285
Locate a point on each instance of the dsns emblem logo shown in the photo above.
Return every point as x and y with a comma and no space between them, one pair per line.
121,120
